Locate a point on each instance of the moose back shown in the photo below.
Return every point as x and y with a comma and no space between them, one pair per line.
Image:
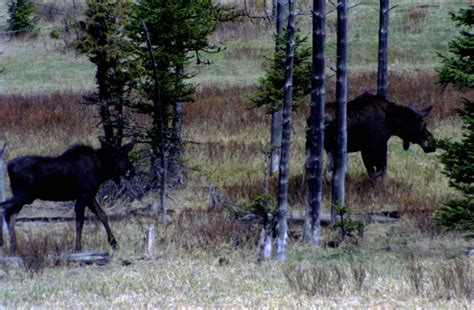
371,121
75,175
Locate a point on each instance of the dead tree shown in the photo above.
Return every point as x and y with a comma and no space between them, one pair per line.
2,180
282,222
340,160
382,72
158,123
264,248
2,172
176,151
277,115
315,135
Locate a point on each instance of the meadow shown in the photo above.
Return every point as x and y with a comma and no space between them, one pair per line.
207,258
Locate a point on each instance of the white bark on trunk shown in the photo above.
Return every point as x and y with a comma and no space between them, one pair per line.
282,222
315,136
340,160
382,72
277,116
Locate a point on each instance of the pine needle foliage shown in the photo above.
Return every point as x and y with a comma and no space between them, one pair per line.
458,67
104,42
21,19
271,87
178,31
458,157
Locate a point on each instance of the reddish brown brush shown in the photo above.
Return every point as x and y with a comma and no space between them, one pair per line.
216,230
29,113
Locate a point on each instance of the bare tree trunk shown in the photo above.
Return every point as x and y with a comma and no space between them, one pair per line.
176,151
340,160
382,72
3,225
76,19
264,248
212,198
158,123
121,121
277,116
315,136
150,241
2,172
282,222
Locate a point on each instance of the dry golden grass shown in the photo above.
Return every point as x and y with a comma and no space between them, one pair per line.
384,269
204,259
208,259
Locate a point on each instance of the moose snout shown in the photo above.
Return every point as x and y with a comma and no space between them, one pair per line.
429,145
130,173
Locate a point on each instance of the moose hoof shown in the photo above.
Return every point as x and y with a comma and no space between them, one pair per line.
114,244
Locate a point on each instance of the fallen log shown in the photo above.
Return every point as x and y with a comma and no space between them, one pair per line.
15,261
143,212
88,258
299,216
294,216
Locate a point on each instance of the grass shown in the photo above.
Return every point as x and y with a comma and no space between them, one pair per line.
417,32
40,66
208,259
380,271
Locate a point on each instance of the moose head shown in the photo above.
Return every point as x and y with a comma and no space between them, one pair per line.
116,161
414,130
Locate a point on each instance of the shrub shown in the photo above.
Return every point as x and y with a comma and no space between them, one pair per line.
21,19
458,158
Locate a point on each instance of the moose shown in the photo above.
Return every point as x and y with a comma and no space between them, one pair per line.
371,121
75,175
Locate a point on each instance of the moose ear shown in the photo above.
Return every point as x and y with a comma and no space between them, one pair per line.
105,144
406,145
127,147
426,111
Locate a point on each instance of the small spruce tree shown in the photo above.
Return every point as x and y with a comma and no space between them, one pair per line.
103,41
458,69
271,86
21,19
178,31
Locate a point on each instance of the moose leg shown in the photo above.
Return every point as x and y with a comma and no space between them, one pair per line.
97,210
10,209
368,160
1,223
381,164
329,166
79,208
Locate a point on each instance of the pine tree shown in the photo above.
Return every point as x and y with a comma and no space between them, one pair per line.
178,31
271,87
458,67
104,42
458,158
21,19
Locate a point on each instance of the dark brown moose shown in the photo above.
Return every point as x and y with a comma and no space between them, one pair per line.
371,121
75,175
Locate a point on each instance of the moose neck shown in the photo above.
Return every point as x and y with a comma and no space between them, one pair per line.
105,165
397,122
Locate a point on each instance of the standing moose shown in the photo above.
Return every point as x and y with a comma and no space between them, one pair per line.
75,175
371,121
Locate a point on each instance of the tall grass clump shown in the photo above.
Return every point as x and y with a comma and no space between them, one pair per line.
197,230
439,279
329,278
38,251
